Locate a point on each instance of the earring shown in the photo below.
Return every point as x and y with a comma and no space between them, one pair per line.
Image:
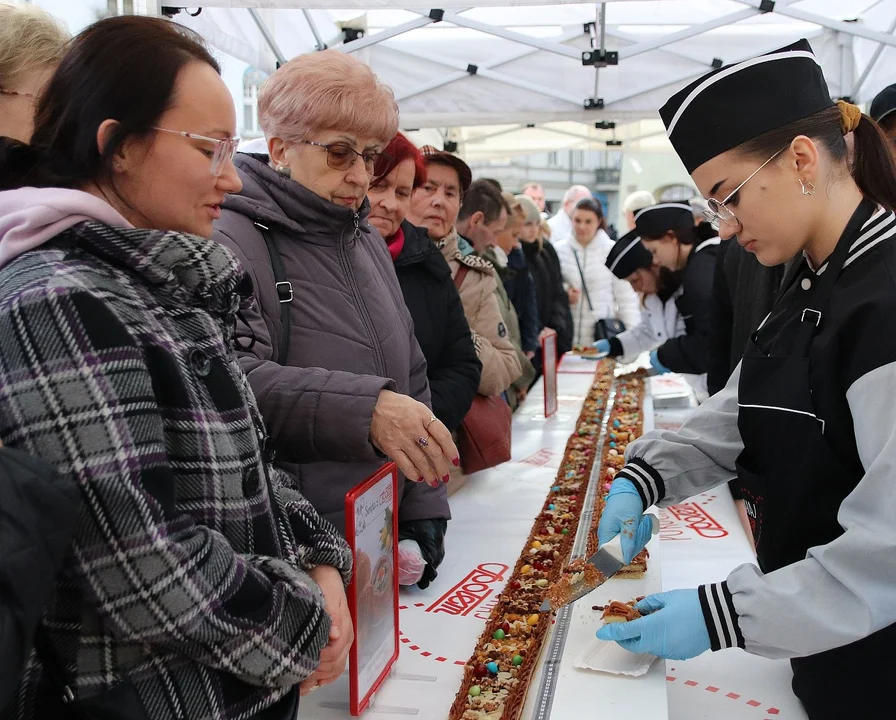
284,171
807,187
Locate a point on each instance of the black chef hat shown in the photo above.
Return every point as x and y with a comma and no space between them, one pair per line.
627,255
656,220
884,103
739,102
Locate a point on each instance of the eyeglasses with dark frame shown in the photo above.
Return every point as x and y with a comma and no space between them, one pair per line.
341,157
224,149
719,212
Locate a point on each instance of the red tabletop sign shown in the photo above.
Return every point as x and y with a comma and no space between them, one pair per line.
372,532
549,365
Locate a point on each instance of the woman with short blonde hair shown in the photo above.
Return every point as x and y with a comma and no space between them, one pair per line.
329,347
553,304
31,44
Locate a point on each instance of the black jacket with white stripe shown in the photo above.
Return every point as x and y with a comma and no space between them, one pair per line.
844,590
688,353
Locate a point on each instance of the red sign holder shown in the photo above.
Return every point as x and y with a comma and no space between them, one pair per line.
371,517
549,370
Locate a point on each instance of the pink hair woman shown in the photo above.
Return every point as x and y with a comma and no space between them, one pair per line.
329,347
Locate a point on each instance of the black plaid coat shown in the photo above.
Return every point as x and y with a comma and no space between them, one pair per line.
187,574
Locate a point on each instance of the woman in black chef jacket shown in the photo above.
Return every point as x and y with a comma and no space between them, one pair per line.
668,231
807,421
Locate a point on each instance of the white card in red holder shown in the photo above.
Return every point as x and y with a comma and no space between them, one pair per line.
549,370
371,521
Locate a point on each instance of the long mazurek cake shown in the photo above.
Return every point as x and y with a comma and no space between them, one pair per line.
498,673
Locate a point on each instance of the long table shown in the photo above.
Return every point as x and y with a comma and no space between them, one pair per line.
700,541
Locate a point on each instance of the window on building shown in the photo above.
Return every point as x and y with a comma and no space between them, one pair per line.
252,81
674,193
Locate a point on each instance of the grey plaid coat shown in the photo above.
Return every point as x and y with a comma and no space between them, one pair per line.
187,574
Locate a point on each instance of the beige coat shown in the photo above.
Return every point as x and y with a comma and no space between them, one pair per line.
500,364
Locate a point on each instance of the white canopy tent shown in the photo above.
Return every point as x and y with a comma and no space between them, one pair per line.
515,65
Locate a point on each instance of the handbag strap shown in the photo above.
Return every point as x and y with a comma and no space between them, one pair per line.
284,291
461,274
43,646
582,276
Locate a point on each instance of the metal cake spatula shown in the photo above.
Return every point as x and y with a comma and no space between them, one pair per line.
607,561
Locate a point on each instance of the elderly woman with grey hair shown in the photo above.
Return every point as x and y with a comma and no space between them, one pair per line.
329,347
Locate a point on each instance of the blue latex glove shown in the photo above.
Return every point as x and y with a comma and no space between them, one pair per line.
656,364
603,347
624,512
674,629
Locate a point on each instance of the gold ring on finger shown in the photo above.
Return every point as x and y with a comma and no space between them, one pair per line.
431,421
423,441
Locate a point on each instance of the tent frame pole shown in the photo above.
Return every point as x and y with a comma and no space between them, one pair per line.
455,18
383,35
692,31
267,35
490,65
321,45
850,28
866,73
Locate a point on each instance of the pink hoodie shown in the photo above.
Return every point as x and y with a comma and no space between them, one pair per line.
29,217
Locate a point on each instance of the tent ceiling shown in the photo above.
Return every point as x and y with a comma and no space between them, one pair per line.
528,59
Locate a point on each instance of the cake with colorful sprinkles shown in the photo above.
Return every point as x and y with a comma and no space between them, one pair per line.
497,675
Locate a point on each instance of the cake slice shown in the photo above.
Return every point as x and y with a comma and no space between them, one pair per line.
618,611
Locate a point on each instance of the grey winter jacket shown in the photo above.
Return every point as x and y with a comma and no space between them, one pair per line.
351,337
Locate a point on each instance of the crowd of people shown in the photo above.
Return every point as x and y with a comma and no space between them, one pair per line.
203,349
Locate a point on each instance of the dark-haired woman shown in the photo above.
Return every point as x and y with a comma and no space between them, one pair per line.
441,328
198,584
807,422
599,294
668,232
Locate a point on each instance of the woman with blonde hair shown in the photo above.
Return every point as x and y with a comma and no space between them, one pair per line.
32,43
553,301
329,347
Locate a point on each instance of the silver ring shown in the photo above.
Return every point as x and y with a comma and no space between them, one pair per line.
422,442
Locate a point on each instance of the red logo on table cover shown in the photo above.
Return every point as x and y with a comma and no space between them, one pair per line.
542,457
470,592
692,517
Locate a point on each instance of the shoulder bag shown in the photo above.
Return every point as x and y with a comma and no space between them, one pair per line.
483,437
605,328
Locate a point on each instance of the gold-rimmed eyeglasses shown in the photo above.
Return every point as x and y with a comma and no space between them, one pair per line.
223,151
719,212
341,157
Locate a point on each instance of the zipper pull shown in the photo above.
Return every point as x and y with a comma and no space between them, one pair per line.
357,226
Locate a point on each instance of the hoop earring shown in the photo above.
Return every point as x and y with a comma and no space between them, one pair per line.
807,187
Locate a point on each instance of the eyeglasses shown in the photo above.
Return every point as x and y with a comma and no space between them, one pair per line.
719,212
342,157
224,149
16,93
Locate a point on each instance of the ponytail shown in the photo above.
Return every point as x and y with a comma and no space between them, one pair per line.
23,165
873,167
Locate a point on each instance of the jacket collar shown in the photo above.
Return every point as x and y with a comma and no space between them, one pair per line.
186,269
417,245
281,202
